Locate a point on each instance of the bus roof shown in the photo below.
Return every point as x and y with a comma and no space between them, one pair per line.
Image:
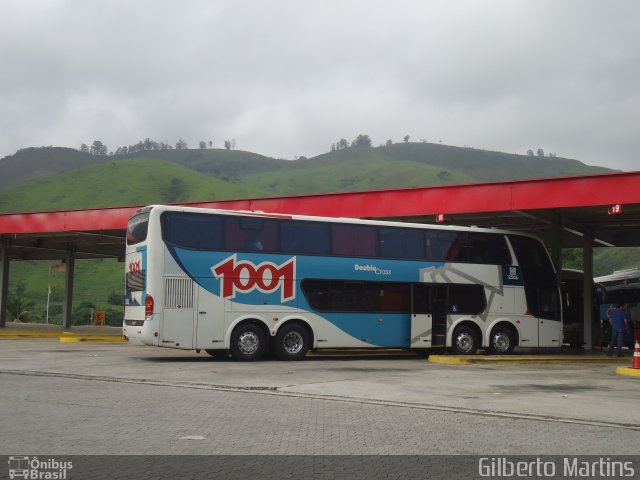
620,276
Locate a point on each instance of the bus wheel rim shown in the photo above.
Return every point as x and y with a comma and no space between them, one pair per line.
248,343
464,342
501,342
292,343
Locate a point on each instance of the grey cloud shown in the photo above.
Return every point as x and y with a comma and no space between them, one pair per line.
287,78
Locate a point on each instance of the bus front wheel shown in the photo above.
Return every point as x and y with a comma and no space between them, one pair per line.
465,341
247,342
291,342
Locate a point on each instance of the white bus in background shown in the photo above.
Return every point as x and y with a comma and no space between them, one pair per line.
622,287
246,283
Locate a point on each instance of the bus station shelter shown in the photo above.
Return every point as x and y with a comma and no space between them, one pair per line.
567,212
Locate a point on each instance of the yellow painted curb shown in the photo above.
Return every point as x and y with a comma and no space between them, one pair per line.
446,360
13,334
66,337
70,338
628,371
21,334
515,360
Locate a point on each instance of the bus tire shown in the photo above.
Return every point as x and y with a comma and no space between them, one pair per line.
218,354
502,340
291,342
464,341
247,342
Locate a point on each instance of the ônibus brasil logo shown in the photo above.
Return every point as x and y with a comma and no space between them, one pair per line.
244,276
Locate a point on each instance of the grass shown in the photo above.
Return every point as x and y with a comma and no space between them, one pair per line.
118,183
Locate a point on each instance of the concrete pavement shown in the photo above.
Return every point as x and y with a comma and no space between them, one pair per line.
584,393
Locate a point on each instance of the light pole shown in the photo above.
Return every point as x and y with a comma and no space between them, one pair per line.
49,293
56,266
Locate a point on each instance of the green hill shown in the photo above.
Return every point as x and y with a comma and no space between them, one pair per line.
484,165
36,163
166,176
119,183
395,166
225,164
33,163
358,168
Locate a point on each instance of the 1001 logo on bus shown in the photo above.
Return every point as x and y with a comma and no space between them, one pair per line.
244,276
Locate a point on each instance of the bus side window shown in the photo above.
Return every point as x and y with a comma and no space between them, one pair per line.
353,240
251,234
193,231
305,238
457,251
401,243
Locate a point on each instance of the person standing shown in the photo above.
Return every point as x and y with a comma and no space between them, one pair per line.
619,322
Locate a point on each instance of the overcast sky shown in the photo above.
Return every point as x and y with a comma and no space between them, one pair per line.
288,78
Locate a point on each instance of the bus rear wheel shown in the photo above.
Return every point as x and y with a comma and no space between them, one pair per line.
464,341
247,342
502,340
291,342
218,354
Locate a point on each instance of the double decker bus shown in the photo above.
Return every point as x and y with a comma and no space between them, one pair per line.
247,283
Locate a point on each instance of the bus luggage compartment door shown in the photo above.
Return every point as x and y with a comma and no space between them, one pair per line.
178,313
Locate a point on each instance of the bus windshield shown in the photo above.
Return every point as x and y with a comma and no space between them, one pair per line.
541,288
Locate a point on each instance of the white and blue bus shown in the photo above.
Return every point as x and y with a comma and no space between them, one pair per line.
622,287
248,283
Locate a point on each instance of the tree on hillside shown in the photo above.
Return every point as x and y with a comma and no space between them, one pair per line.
227,144
210,143
406,139
530,153
389,143
361,140
122,150
84,148
98,148
202,145
150,144
540,152
342,144
181,145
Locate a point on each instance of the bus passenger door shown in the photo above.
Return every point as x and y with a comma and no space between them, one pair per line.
178,313
548,312
421,320
439,311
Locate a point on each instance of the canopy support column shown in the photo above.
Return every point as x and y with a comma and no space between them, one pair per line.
587,290
70,260
5,260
